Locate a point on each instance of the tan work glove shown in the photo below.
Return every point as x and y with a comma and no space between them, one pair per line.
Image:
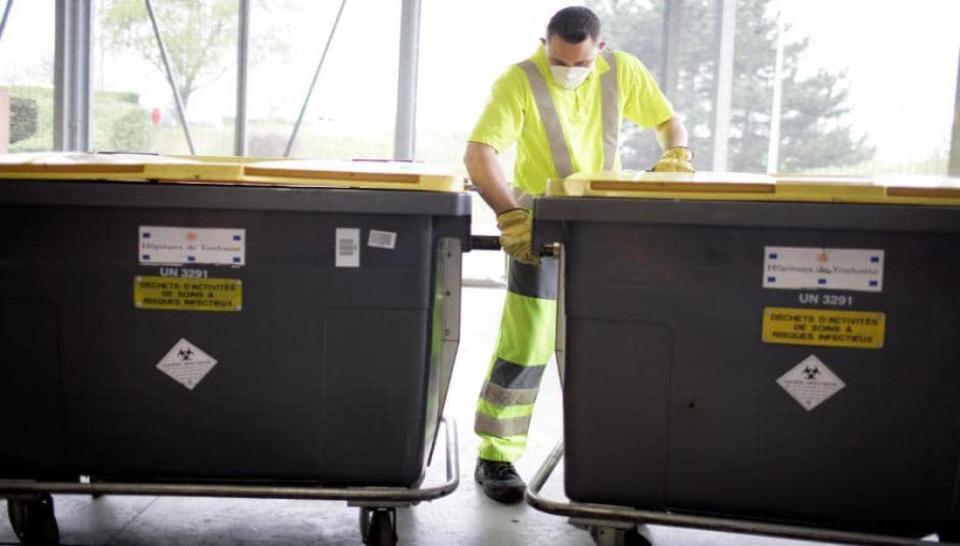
516,235
675,160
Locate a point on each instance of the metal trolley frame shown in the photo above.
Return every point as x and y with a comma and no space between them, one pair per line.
611,525
31,510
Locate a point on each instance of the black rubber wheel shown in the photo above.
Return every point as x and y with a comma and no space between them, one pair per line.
634,538
951,536
382,529
34,521
611,536
95,495
15,515
365,525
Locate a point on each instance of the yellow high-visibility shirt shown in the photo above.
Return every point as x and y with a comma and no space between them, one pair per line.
511,117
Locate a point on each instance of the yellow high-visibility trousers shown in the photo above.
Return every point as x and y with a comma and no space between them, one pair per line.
524,346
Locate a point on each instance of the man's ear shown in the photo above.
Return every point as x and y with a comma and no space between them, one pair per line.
543,41
601,45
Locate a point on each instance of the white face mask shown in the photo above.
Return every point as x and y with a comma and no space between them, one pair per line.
570,77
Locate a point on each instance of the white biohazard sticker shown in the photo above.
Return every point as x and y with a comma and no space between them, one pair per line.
795,268
382,239
811,383
183,245
347,247
187,364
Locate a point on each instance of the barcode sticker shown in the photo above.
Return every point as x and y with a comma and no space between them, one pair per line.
382,239
348,247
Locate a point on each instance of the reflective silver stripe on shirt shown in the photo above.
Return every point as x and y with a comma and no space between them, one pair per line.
611,112
551,120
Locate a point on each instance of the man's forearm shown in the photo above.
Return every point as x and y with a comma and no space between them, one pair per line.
486,171
671,134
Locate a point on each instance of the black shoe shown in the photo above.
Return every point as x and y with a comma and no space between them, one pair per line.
500,481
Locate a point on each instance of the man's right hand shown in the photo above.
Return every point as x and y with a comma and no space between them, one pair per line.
515,223
516,235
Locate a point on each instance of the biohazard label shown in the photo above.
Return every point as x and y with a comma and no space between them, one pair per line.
159,245
811,383
823,268
177,294
187,364
854,329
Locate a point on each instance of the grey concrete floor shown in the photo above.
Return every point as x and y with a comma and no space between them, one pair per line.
464,518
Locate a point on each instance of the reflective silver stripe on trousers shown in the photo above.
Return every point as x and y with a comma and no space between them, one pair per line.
501,428
551,120
495,394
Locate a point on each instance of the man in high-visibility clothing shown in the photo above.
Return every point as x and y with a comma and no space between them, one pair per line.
563,108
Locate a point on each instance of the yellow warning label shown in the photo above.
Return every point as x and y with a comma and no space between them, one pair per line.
176,294
855,329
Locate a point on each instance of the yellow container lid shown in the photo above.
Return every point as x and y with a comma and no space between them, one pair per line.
385,175
388,175
912,190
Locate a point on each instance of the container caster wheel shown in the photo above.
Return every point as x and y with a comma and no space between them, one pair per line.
612,536
95,496
33,520
378,526
951,536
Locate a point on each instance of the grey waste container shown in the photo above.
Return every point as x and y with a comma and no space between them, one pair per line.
263,322
781,352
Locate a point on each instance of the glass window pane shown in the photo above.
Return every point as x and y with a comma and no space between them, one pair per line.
133,106
465,47
896,68
866,89
353,108
26,77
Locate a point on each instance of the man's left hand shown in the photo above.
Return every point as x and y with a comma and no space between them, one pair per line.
675,160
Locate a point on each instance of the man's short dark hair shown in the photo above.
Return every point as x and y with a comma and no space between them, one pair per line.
574,24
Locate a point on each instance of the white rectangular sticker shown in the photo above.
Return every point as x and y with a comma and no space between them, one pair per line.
382,239
348,247
185,245
823,268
